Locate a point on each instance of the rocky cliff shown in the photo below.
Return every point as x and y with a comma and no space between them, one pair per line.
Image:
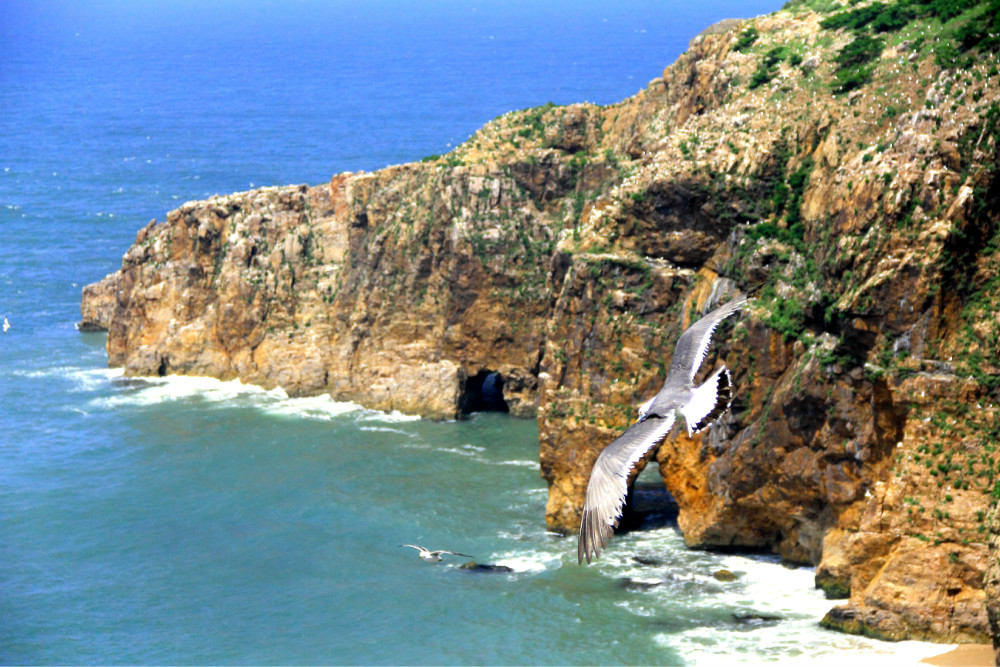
992,582
843,157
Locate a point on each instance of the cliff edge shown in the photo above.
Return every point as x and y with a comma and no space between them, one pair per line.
841,156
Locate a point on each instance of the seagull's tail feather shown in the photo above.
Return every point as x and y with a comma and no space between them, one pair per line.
595,531
709,401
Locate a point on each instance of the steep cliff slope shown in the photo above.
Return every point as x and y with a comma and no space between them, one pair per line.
841,157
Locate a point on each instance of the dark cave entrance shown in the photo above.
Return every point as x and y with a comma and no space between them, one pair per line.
649,504
484,393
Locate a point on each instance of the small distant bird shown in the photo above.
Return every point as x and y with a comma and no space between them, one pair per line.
699,406
6,324
433,556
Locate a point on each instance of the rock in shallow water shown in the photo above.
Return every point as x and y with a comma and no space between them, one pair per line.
485,568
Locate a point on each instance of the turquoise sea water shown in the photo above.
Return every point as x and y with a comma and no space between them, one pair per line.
190,521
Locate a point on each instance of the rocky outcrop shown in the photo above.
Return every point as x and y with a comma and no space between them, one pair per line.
561,251
358,289
98,304
992,582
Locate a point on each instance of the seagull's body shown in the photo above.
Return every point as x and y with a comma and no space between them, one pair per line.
6,324
433,556
699,406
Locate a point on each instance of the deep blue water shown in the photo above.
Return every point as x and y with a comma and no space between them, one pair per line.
191,521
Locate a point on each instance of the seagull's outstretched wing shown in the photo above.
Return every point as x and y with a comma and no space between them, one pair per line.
453,553
609,482
709,401
414,546
693,343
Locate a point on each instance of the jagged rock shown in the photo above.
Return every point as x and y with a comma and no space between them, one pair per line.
562,250
98,304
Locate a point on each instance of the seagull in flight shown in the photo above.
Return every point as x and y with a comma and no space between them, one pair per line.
433,556
700,406
6,324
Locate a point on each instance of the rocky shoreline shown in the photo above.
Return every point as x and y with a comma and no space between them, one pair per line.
557,254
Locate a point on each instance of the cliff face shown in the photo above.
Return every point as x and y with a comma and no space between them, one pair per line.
992,581
563,250
394,289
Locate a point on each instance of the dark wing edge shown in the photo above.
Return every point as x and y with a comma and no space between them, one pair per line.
709,401
692,346
608,483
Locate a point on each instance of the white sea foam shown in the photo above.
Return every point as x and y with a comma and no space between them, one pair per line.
152,391
311,407
415,445
389,417
83,379
774,611
461,451
384,429
532,562
156,390
521,464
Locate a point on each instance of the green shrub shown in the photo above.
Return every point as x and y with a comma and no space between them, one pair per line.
787,317
862,50
949,9
947,55
892,19
854,70
855,19
982,31
775,56
746,39
762,76
846,80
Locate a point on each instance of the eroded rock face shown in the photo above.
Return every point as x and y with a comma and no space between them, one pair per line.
992,581
351,289
97,305
566,248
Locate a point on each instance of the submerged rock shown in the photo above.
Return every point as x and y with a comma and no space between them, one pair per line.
638,585
648,560
485,568
756,619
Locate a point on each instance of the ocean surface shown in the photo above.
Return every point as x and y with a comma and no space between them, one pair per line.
191,521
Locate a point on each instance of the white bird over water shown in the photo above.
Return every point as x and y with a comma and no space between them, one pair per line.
699,406
433,556
6,324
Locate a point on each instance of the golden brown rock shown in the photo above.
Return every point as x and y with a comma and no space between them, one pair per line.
992,580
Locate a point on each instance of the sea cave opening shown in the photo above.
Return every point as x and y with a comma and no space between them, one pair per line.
484,393
649,504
